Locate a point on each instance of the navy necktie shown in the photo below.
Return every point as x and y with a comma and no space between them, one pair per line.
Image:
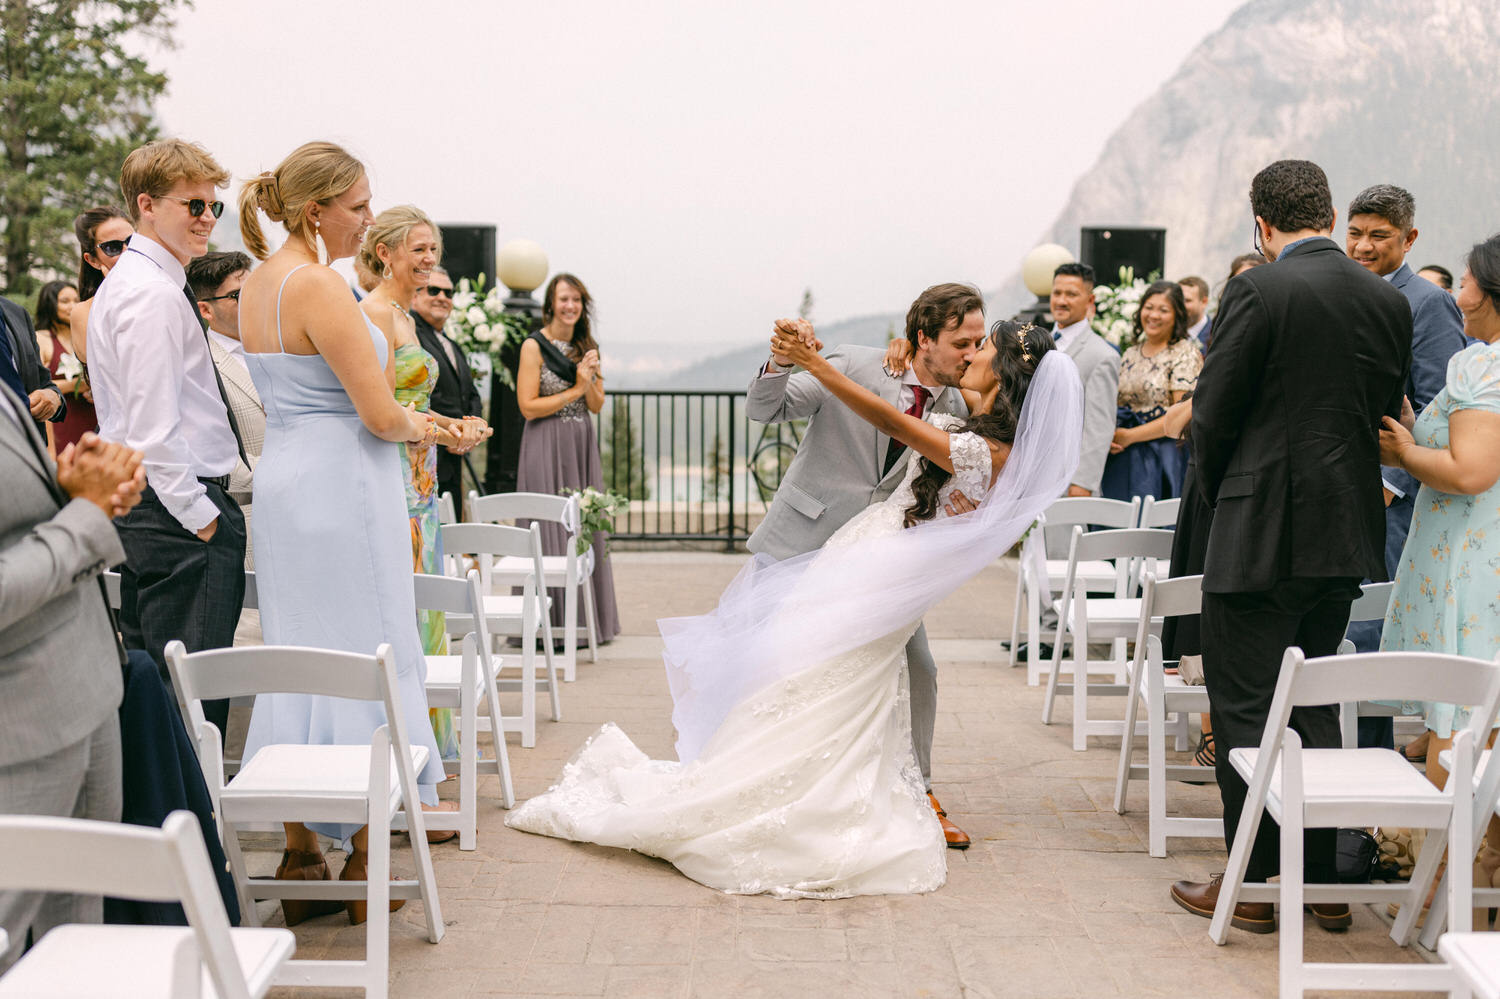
8,373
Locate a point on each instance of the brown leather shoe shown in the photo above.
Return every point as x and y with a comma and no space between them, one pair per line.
956,838
1332,916
1200,898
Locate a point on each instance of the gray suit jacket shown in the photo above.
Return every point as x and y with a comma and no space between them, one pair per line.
249,414
837,470
1099,367
59,664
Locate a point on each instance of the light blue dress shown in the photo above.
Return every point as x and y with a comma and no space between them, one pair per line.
332,555
1447,593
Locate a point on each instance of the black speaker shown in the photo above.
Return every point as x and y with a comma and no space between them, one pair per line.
469,251
1108,248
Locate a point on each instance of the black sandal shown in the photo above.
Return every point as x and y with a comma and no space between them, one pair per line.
1203,756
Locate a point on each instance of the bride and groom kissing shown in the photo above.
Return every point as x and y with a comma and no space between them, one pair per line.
804,703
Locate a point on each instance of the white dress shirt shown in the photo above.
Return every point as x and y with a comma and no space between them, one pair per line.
153,381
1195,331
906,395
1067,334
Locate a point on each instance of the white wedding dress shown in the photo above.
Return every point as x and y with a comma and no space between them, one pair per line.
807,788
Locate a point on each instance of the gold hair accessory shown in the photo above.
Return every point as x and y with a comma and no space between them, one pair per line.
1021,339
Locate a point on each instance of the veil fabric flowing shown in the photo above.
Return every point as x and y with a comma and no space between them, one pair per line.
779,618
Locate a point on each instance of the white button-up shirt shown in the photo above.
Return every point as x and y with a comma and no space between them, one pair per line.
153,380
1067,334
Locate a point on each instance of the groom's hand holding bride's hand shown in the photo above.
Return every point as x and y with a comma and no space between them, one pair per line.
794,342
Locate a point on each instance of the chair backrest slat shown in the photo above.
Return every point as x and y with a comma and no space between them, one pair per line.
528,506
276,669
1372,603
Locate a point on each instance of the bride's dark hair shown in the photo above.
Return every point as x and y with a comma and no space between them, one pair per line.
1019,348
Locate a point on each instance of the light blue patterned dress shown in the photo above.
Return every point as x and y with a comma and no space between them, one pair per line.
1447,593
332,556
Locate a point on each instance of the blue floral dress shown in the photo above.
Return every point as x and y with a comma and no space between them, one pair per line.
1447,593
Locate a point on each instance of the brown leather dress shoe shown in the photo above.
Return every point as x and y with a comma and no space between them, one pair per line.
1200,898
1332,916
956,838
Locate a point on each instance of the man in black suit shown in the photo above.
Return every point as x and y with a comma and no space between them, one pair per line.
454,394
1308,355
20,359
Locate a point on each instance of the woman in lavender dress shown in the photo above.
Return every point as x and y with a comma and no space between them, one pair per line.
558,386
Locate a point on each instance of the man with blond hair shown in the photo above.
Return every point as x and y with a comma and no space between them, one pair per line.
156,390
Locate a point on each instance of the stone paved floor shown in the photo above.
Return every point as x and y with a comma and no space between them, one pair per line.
1057,896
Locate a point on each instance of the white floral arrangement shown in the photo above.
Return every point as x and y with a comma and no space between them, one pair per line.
1115,308
596,512
69,366
480,325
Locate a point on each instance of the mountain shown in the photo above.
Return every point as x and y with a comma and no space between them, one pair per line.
1375,91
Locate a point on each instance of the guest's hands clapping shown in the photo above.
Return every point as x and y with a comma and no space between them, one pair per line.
794,342
588,369
1395,439
467,434
106,474
423,429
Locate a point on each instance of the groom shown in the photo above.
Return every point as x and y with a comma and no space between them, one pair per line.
844,464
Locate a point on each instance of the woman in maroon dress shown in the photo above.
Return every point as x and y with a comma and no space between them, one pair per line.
54,310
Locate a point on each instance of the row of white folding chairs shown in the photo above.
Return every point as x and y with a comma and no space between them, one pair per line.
170,864
571,572
1040,576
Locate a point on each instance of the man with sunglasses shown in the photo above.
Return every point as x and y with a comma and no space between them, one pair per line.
454,394
156,390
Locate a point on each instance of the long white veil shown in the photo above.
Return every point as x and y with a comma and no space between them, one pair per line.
778,618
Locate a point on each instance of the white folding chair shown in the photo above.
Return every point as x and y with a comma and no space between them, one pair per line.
1371,605
1475,960
360,785
1055,526
570,572
524,615
1160,513
460,682
205,958
1329,788
447,513
1082,619
1162,694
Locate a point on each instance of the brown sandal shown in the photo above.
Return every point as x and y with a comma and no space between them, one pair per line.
299,866
354,870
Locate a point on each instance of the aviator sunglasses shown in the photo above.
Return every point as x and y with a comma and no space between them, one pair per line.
195,206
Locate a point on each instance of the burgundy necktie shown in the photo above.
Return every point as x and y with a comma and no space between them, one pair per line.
919,395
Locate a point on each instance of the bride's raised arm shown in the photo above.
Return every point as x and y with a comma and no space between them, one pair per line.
919,435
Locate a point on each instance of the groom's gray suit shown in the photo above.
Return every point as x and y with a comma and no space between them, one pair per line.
838,471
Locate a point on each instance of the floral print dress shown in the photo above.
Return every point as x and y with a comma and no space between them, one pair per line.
1447,593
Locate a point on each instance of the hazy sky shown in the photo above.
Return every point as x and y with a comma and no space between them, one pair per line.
698,164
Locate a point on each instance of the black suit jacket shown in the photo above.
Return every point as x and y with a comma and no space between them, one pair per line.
1309,353
34,374
455,394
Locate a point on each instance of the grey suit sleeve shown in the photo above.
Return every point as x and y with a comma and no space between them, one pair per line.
795,396
78,543
1100,404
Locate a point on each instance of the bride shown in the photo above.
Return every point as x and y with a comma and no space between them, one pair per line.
795,774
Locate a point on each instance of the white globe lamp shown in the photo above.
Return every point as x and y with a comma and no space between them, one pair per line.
521,265
1037,268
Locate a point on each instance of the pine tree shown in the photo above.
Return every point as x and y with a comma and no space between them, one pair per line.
74,100
620,453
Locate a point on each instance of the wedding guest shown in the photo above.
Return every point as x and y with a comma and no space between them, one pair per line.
60,685
102,234
22,370
1380,233
331,525
216,280
1309,352
155,390
1438,275
558,384
1243,263
454,395
1157,371
1195,297
54,309
403,246
1098,365
1447,583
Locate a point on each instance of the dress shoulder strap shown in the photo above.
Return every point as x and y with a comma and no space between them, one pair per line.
279,292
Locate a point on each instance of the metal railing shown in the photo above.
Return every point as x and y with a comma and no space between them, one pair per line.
693,464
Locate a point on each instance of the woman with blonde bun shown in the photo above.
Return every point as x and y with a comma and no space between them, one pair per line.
401,249
332,561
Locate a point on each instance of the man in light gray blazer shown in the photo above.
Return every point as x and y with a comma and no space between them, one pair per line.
60,680
1098,365
844,464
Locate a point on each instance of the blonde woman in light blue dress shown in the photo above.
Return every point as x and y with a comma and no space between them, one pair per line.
1447,592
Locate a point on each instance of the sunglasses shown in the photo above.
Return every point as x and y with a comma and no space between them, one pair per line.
233,296
196,206
435,291
112,247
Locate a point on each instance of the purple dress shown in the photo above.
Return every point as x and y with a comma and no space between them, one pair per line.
561,452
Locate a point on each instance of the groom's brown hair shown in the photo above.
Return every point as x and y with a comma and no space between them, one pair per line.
939,307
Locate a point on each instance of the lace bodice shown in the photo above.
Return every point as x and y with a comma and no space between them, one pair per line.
550,383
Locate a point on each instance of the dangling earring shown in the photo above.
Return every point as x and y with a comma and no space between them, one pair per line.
318,239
